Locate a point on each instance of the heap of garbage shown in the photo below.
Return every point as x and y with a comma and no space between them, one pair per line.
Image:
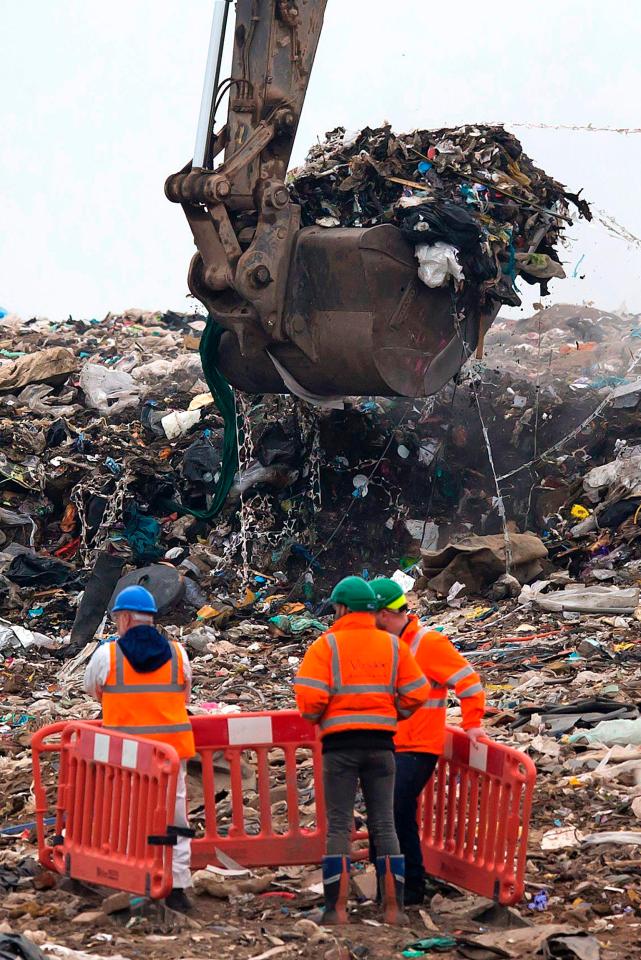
475,206
110,449
112,445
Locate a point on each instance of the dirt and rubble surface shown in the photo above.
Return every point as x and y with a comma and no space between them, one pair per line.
110,446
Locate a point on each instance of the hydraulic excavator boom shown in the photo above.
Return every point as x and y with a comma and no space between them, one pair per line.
314,311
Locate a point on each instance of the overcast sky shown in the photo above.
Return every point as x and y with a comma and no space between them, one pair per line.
99,101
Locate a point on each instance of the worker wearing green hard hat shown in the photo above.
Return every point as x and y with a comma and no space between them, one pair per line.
354,682
355,594
420,739
389,594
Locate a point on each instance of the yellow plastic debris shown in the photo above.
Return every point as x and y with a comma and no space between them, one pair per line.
579,512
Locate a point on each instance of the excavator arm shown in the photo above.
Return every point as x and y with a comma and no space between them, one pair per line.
313,311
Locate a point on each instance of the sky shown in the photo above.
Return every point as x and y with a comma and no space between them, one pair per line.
99,103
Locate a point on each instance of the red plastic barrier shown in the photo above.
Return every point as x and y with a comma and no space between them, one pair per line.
475,814
115,794
270,737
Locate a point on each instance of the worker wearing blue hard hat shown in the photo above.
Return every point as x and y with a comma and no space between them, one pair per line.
143,681
135,600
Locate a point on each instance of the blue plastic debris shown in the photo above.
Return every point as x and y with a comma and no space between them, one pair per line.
539,901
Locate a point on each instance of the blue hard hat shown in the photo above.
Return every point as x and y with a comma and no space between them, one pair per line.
137,599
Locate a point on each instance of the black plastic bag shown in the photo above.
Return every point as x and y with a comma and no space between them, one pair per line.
31,570
13,946
447,222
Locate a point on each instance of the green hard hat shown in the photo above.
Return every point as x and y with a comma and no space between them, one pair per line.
355,593
389,595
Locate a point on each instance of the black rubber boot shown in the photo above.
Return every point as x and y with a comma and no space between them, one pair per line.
178,901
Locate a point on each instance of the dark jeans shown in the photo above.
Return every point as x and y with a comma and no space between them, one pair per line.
413,771
342,770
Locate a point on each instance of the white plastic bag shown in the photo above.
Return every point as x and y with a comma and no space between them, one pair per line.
438,262
178,422
107,390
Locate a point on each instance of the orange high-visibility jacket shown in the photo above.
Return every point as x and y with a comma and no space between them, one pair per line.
445,668
357,677
150,705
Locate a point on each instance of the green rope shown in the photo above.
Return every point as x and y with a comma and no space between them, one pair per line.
224,397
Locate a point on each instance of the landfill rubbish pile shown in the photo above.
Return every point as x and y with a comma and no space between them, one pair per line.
475,206
109,437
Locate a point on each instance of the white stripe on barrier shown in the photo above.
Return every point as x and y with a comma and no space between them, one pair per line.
249,730
101,747
478,755
129,753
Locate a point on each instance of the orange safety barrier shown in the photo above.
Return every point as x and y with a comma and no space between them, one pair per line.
295,740
474,814
474,817
114,809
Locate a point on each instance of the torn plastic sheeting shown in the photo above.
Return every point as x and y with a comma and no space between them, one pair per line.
15,637
66,953
624,472
276,475
108,390
612,732
589,600
163,375
38,398
9,518
614,836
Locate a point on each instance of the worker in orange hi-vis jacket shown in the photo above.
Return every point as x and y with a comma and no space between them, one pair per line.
355,682
143,682
420,740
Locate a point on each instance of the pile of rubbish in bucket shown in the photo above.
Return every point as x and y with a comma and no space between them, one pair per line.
472,202
111,446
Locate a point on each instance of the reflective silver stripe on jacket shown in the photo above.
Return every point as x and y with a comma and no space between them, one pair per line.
417,639
312,717
374,718
311,682
414,685
461,674
156,728
395,662
471,691
121,687
433,704
336,664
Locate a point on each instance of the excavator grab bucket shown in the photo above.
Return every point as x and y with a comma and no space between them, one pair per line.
317,312
358,320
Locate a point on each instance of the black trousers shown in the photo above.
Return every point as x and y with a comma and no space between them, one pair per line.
342,771
413,771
